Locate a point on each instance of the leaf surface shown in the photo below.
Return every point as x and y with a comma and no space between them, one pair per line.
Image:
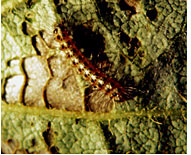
47,106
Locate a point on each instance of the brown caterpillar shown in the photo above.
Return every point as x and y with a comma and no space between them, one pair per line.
90,73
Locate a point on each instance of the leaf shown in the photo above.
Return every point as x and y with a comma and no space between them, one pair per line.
47,107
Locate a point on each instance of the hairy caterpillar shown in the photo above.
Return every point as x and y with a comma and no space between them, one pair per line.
90,73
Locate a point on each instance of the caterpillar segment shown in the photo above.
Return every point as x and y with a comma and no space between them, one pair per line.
90,73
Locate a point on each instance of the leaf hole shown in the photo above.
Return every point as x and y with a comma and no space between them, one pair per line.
124,38
108,135
24,28
152,14
54,150
34,44
132,43
47,135
125,5
10,141
56,133
49,124
33,142
77,121
135,44
92,44
59,9
56,2
105,11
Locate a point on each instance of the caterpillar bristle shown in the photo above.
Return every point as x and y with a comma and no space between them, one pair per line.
97,79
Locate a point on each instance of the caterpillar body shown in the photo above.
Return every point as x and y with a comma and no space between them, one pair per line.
90,73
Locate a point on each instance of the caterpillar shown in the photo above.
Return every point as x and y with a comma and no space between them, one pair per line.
90,73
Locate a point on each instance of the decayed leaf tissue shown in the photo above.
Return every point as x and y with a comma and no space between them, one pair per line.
93,76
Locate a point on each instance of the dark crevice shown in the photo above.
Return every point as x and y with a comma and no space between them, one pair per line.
133,43
48,139
59,9
26,82
56,133
9,63
64,86
49,66
27,151
41,34
141,53
56,2
105,12
9,141
87,106
24,28
47,135
34,42
29,3
110,138
54,150
165,142
49,124
48,106
124,38
3,96
124,6
33,142
77,121
152,14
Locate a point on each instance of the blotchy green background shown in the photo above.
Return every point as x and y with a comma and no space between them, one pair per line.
145,43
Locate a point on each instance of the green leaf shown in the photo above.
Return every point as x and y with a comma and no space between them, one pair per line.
47,107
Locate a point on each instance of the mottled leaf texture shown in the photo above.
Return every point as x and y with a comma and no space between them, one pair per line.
48,107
